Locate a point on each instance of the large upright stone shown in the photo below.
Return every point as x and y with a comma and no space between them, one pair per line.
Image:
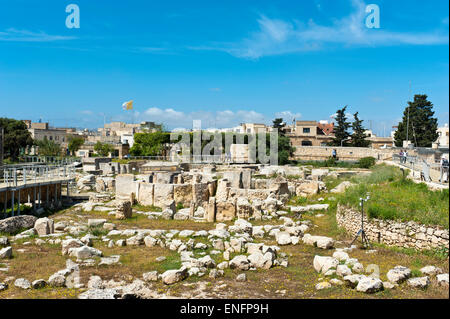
145,195
307,188
223,188
162,193
124,210
44,226
246,178
212,187
211,210
182,193
125,185
243,208
225,211
234,177
200,193
164,177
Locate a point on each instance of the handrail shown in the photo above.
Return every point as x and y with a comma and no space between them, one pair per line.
18,176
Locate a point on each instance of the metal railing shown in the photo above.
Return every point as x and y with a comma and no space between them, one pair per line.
19,176
430,172
54,160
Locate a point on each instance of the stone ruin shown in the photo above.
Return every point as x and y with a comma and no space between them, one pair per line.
217,193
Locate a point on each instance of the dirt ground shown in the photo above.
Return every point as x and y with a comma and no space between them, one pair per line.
296,281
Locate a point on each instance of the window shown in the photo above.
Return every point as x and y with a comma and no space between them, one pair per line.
306,143
306,130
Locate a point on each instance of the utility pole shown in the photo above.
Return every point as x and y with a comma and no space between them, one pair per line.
2,132
407,121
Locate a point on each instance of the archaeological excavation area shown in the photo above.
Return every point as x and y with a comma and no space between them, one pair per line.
177,230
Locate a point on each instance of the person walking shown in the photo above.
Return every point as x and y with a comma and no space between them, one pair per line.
334,154
444,170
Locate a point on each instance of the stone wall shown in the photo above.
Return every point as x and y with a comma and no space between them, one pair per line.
158,193
320,153
393,233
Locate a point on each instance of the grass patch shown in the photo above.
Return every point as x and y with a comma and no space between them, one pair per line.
438,253
98,231
393,197
144,208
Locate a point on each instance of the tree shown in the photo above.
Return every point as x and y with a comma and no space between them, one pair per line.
149,144
16,137
279,125
75,144
285,149
103,149
422,128
359,136
341,133
48,148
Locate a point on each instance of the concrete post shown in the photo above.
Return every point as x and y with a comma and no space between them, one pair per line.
12,203
18,203
34,198
39,197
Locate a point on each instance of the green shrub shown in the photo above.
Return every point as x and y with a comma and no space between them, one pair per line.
382,212
366,162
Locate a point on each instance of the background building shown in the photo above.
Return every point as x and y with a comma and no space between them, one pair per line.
443,139
311,133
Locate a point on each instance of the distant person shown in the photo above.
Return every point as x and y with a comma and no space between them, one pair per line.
444,170
334,154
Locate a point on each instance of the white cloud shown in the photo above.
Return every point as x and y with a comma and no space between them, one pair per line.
219,119
276,36
15,35
288,116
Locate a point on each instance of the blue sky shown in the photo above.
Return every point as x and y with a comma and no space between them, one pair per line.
223,62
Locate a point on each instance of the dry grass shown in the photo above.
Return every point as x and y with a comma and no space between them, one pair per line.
296,281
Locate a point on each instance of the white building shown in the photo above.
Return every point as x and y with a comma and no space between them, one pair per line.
443,139
127,139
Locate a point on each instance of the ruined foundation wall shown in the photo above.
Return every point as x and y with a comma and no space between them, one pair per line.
394,233
320,153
